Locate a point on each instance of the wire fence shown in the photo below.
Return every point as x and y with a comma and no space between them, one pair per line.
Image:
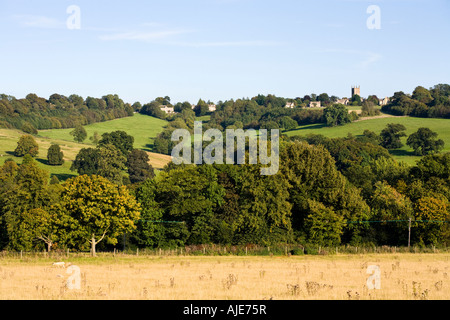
226,250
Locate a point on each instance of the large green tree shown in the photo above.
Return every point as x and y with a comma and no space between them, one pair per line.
391,136
111,163
336,115
424,141
120,139
312,174
86,161
98,210
26,145
198,191
139,168
150,228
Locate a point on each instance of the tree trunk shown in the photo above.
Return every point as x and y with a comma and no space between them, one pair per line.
49,247
93,243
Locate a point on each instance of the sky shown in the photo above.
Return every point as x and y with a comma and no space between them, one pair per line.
222,49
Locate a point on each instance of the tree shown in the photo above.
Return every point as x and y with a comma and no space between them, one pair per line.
264,208
433,213
324,98
201,108
312,175
98,210
391,135
111,163
323,225
40,224
368,108
120,139
79,133
27,199
287,123
29,128
149,233
434,166
55,156
153,109
95,138
197,189
86,161
356,100
336,115
138,165
422,95
389,204
54,179
424,142
26,145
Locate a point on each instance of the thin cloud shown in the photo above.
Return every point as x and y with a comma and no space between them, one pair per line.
371,59
34,21
227,44
367,57
142,36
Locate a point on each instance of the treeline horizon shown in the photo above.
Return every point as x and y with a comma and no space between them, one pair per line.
34,113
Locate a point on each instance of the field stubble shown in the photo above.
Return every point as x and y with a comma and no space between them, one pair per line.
343,277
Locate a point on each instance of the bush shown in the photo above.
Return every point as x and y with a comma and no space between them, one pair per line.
55,156
26,145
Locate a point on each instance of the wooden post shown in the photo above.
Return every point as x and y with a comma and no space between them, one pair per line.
409,234
245,250
137,251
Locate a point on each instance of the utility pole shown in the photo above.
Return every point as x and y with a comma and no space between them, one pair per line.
409,233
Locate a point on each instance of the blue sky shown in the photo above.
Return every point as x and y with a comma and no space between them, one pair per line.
222,49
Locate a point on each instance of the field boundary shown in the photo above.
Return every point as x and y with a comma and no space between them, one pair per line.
222,250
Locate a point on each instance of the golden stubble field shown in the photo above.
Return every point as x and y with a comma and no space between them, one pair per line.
402,276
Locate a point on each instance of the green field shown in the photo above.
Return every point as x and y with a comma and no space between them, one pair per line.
143,128
405,154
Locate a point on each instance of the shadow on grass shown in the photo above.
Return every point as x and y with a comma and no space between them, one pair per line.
401,153
43,161
148,147
308,127
63,176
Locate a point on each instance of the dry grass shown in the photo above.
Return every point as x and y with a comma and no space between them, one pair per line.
403,276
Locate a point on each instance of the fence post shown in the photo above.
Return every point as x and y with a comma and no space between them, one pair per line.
409,233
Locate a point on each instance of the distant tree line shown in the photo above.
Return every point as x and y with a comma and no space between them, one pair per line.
424,103
35,113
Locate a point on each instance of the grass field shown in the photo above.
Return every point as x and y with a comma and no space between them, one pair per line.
143,128
405,154
404,276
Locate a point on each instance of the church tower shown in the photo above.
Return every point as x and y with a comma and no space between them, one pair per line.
356,90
